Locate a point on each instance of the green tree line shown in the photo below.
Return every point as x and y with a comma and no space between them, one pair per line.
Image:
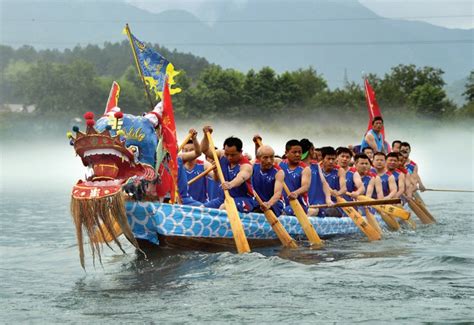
78,80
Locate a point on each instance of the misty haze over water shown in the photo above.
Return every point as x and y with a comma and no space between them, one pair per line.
444,152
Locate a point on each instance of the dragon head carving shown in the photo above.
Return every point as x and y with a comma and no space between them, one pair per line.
122,154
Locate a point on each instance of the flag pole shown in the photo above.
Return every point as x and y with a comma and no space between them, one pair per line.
140,72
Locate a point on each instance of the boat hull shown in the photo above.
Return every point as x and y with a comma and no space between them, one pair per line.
202,228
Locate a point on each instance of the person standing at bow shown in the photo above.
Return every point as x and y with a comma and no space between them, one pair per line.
374,137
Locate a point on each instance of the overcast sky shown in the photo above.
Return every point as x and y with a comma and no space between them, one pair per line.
447,13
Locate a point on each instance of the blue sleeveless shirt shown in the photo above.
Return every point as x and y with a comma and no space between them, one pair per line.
384,178
332,178
411,167
350,180
183,187
245,189
315,193
263,182
293,180
198,189
214,189
396,175
366,180
378,141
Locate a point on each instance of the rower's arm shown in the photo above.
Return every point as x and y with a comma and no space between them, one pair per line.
342,181
378,187
401,186
326,188
257,139
359,185
191,155
369,138
243,175
205,144
420,183
392,187
370,187
279,179
409,185
305,182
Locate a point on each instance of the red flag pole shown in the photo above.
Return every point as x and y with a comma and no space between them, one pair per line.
372,105
170,140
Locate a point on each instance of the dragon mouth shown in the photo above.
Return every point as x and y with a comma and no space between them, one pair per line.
109,165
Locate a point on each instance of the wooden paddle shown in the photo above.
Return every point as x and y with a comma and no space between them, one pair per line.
360,222
204,173
277,227
388,209
372,220
422,205
425,210
418,199
357,203
411,223
233,214
448,190
389,220
303,219
419,212
185,141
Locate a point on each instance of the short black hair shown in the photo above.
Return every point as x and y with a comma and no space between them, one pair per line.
378,153
394,154
377,118
190,141
344,150
405,144
395,142
306,144
362,156
234,142
370,148
325,151
292,143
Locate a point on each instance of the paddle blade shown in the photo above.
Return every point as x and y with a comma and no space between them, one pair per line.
390,221
280,231
372,221
236,224
419,212
391,210
305,224
360,222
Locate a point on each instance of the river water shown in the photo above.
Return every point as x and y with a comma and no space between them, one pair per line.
425,275
410,276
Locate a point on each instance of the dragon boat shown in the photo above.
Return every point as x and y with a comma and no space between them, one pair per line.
127,180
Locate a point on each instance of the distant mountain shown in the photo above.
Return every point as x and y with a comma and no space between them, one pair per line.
332,36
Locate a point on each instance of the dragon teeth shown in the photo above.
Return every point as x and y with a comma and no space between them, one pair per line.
113,152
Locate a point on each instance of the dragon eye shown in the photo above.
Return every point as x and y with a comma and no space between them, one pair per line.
133,149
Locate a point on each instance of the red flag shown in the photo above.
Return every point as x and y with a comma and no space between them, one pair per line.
372,106
170,144
113,97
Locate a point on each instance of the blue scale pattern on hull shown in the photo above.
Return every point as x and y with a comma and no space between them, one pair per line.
147,219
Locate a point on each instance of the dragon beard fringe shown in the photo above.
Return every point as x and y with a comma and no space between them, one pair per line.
99,217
